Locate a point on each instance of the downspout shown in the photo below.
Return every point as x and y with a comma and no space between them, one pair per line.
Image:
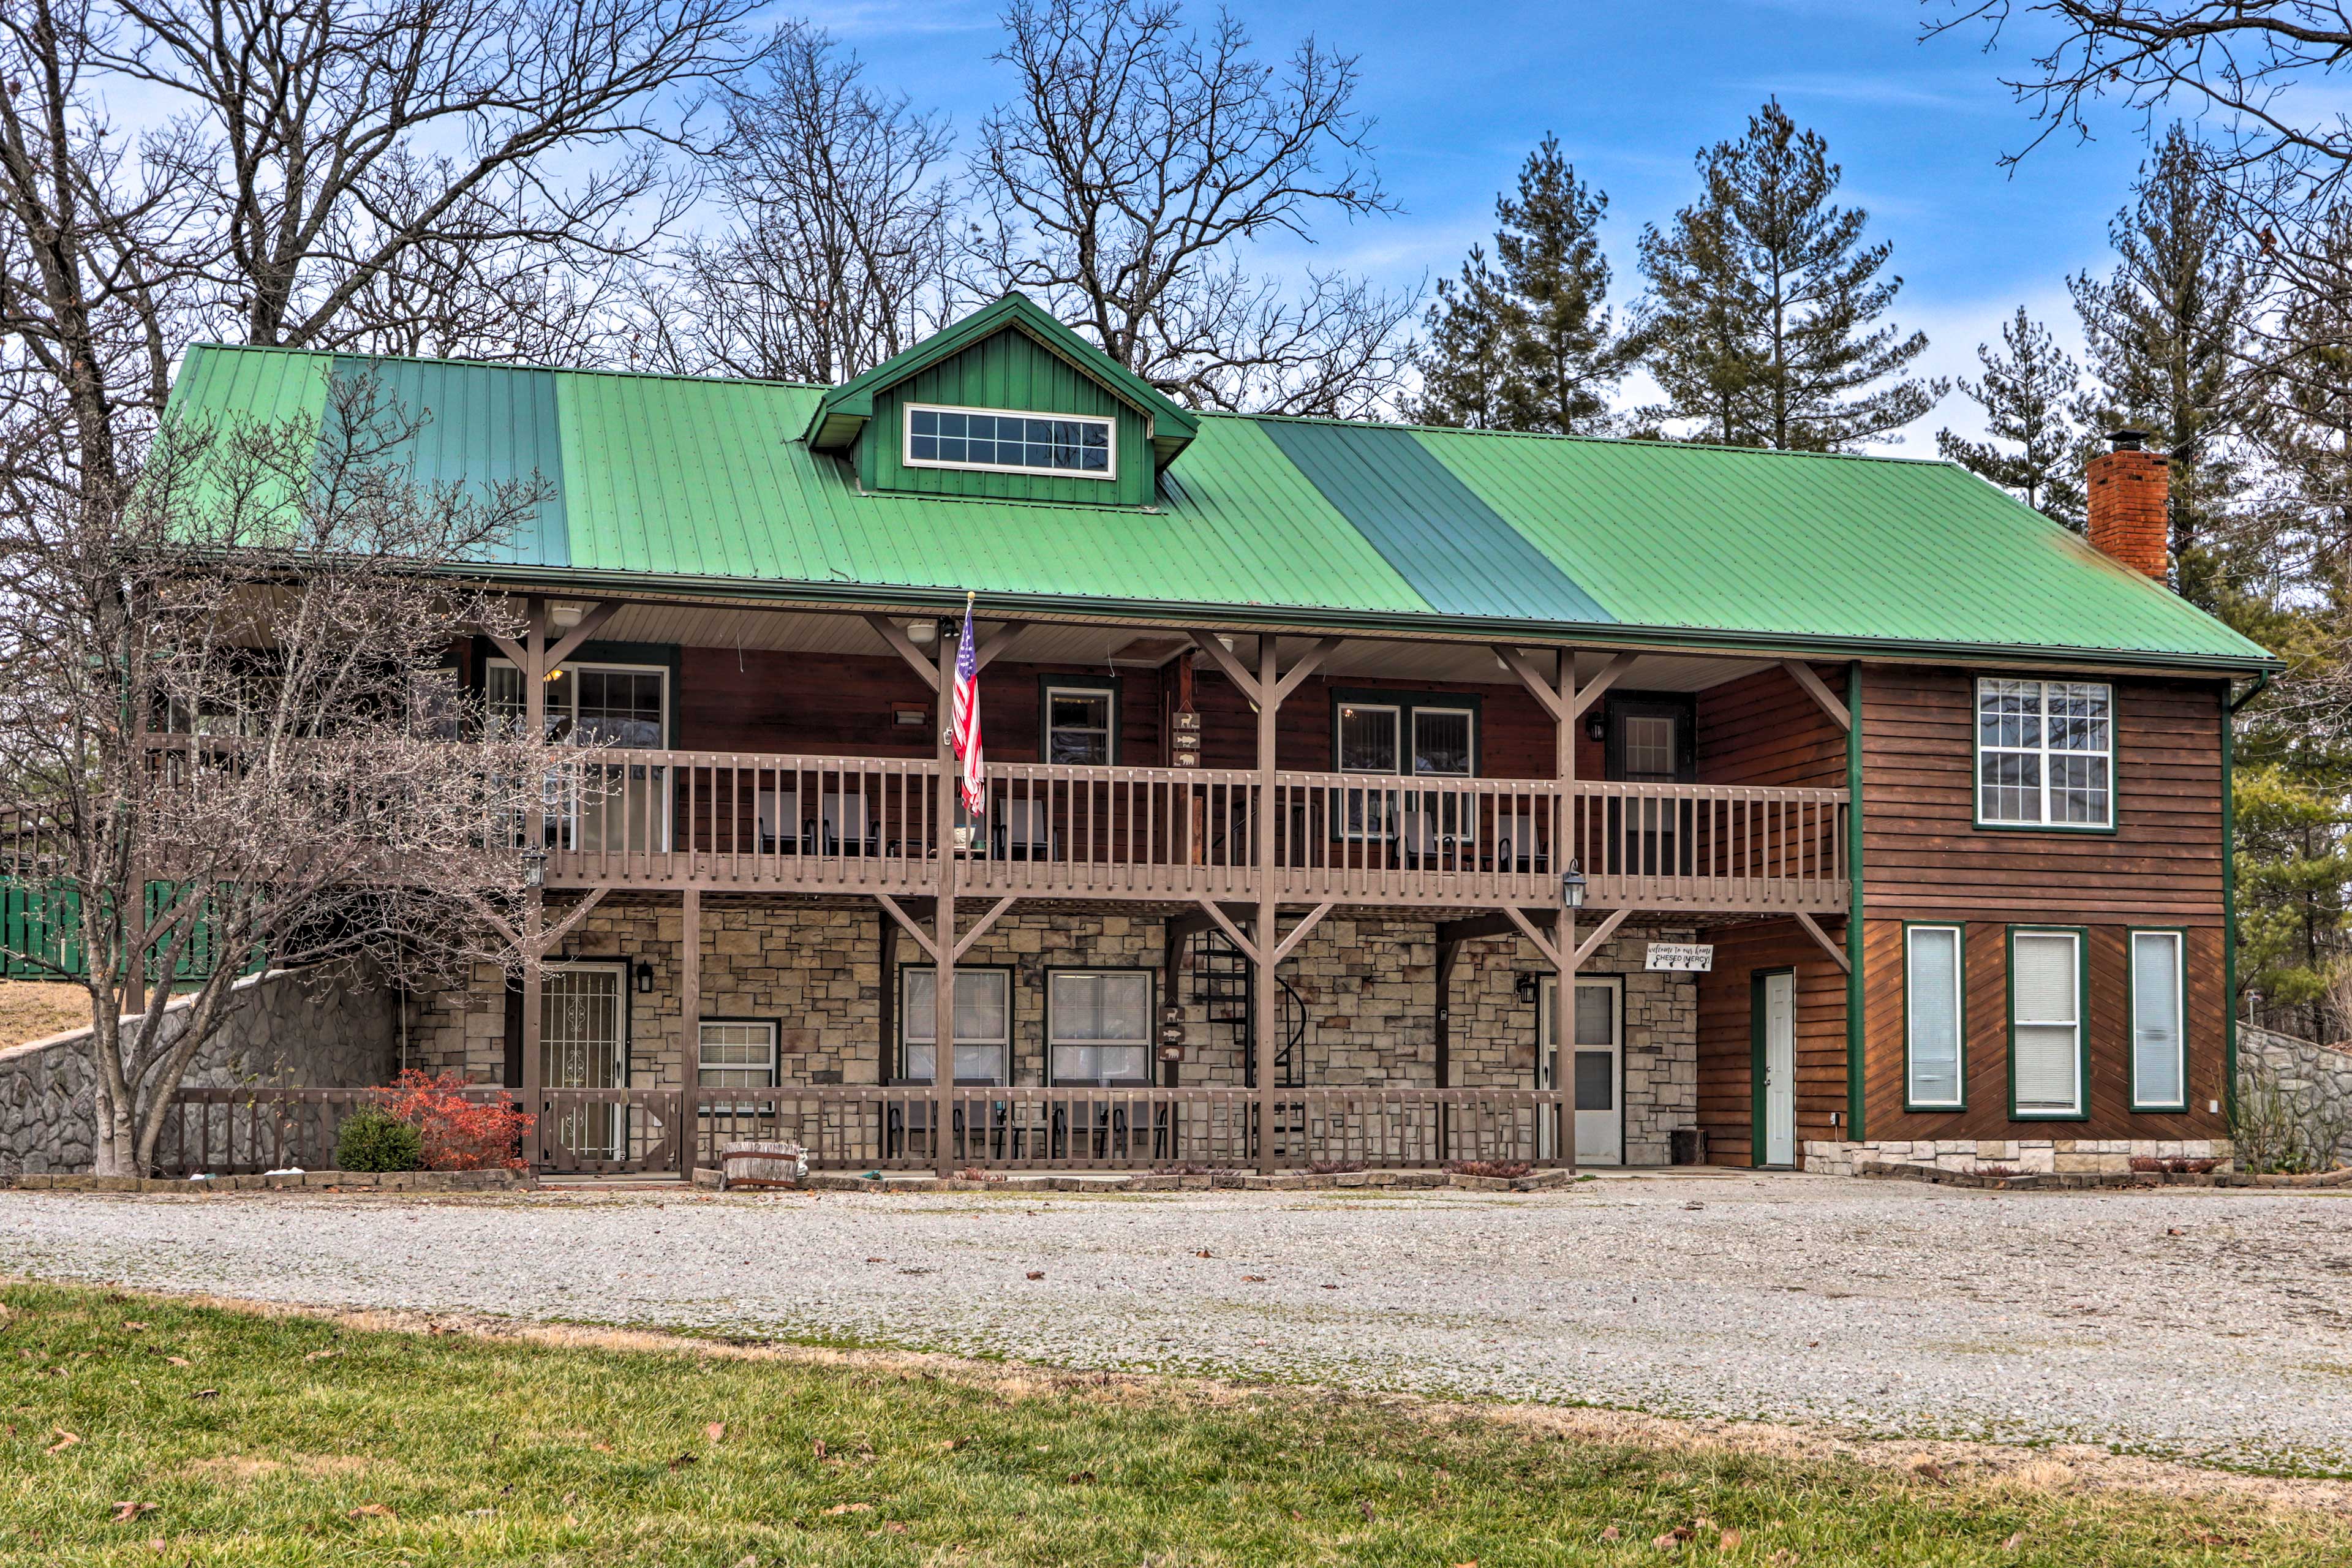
2229,891
1854,1020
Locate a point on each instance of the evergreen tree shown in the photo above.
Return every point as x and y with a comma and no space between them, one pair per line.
1529,346
2165,329
2027,397
1765,321
1467,357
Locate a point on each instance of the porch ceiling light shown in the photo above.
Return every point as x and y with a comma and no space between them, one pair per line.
922,633
1571,886
534,868
566,616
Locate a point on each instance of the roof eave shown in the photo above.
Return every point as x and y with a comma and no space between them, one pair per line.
1756,644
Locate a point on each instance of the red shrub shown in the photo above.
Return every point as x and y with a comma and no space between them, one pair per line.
460,1133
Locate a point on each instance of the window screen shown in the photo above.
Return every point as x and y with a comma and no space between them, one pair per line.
1101,1025
2158,1079
1932,1000
983,1024
2045,1023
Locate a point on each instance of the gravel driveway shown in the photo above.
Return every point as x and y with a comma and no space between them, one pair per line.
2199,1324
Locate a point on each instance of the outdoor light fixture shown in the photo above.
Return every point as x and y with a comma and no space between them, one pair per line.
644,971
1571,886
1525,984
1596,727
534,868
922,633
566,616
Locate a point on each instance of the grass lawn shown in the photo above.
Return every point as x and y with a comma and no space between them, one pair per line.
142,1431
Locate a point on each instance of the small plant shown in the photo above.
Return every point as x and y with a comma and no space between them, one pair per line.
2144,1163
1502,1170
1996,1170
459,1134
2192,1167
1335,1167
374,1139
975,1173
1194,1168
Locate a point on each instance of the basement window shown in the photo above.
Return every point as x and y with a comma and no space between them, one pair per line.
2045,753
1068,445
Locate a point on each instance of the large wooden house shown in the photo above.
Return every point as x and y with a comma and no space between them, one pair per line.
1354,792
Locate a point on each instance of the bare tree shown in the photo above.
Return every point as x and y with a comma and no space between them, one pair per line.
347,153
227,733
837,238
1137,161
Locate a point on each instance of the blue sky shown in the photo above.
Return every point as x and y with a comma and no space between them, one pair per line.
1463,90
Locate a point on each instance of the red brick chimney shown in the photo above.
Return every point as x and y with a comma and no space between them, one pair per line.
2129,487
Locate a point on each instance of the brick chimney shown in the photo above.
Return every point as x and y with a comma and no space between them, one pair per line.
2129,487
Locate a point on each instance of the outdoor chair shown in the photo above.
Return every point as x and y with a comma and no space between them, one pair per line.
782,831
842,819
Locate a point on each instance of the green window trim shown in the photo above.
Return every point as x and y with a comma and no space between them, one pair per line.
1405,703
2081,938
1048,684
1960,1017
2179,936
1976,762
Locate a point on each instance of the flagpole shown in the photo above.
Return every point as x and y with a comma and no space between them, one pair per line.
943,923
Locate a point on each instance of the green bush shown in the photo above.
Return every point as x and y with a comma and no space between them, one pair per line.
375,1141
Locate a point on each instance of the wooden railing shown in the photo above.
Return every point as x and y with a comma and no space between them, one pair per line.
233,1131
832,823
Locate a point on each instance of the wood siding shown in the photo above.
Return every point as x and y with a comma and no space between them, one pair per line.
1763,729
1009,372
1925,859
1726,1085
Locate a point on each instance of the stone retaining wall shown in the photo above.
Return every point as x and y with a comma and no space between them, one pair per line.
2317,1079
283,1031
2025,1156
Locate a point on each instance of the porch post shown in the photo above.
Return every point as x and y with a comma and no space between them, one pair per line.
689,1017
1267,1004
534,829
943,926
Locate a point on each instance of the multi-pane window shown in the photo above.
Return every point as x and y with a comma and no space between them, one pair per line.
736,1054
1432,739
1100,1025
1025,443
983,1024
2045,753
2160,1063
2045,1023
1649,748
1368,738
1078,722
1931,1001
626,705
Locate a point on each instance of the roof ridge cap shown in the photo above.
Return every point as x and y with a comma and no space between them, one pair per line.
509,364
1566,435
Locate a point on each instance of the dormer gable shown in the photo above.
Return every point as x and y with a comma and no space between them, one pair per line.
1008,404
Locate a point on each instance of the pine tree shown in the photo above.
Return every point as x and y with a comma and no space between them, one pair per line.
2028,396
1530,346
1467,357
1765,317
2165,329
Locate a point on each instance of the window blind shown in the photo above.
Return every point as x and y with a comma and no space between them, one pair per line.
2045,1022
2156,1055
1933,1000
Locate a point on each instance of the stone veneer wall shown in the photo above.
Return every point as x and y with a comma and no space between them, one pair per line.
285,1031
1368,983
2025,1156
2317,1077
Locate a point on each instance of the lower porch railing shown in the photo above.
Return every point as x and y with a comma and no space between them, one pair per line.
227,1131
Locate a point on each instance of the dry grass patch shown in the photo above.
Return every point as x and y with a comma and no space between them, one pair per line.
35,1009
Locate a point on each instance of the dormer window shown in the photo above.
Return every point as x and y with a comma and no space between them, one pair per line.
1066,445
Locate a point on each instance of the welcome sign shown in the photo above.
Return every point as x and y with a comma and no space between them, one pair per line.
1688,957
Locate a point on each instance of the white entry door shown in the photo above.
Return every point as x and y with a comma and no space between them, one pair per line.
1779,1000
1595,1068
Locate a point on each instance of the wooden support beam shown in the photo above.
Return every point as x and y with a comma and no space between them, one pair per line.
511,649
1837,950
1447,952
1188,924
1306,667
1232,933
1539,684
689,987
1478,926
1815,688
891,632
913,927
1003,637
1224,659
1599,684
1300,932
1543,940
963,943
1600,934
590,625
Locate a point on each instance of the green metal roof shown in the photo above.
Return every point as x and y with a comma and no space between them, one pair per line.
708,485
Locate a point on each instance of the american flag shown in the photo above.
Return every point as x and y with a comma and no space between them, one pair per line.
967,719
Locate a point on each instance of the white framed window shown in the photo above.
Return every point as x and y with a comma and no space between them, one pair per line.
1098,1025
1932,1013
735,1053
2045,1023
1441,742
617,806
1369,733
983,1024
2045,753
1080,724
2159,1022
1009,441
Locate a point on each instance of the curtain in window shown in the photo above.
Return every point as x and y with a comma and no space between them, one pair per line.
2045,1022
983,1024
1102,1026
1932,995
